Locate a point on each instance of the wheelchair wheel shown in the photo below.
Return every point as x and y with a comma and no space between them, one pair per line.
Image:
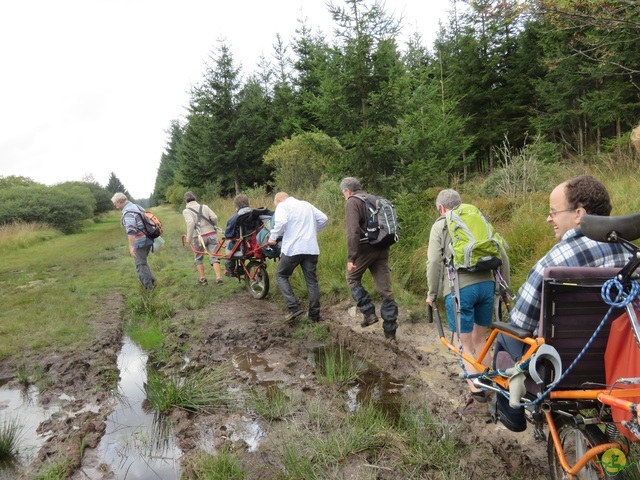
257,279
575,442
501,309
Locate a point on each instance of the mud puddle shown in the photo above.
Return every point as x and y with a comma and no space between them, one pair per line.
137,443
20,407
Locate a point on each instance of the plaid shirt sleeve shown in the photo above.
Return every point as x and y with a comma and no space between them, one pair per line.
574,250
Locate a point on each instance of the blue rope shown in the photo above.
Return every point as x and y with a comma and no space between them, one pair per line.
621,300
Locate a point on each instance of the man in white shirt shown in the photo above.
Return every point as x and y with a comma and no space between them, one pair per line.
298,223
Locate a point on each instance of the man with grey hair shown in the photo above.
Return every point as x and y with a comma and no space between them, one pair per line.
476,290
202,234
361,256
139,244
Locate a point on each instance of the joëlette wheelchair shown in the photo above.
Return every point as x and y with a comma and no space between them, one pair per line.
564,378
249,251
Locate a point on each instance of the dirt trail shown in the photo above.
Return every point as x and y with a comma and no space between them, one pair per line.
214,335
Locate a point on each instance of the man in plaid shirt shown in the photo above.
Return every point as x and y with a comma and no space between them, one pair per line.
568,203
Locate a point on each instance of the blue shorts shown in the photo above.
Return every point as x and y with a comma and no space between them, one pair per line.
476,307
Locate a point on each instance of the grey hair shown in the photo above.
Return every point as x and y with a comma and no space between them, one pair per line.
449,199
351,183
189,196
119,197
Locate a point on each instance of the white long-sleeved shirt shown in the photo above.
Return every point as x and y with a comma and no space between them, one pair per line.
298,223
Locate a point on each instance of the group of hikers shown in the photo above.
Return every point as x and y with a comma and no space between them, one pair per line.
294,226
467,292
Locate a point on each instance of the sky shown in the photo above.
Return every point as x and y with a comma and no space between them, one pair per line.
90,87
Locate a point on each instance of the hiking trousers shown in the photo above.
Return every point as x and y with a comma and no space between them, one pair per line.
377,262
147,278
308,263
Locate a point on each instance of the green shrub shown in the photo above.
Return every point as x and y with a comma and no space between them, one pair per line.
63,207
523,170
299,162
100,194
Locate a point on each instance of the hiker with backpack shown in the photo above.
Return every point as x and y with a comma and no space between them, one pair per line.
140,243
202,234
364,253
463,252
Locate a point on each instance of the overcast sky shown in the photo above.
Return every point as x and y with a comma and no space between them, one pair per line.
90,87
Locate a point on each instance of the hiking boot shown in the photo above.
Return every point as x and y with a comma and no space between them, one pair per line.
390,335
369,319
293,314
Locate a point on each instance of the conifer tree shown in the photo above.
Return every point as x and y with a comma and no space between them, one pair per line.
114,185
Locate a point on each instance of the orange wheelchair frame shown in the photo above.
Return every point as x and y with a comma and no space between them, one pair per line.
250,259
582,410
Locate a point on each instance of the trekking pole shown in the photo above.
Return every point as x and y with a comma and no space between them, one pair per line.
431,312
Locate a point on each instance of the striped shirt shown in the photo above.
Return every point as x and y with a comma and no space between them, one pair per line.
574,250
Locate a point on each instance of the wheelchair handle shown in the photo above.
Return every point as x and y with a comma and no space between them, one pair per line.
434,312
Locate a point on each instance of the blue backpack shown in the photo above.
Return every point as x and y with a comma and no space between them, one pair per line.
269,251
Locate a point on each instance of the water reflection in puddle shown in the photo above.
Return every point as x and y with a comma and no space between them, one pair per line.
249,362
372,386
135,444
245,428
21,405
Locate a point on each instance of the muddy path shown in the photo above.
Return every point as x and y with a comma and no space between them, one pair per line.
264,350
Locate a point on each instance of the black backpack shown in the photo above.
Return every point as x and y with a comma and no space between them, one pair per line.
382,222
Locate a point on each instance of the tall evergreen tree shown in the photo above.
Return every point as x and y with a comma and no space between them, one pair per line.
310,68
429,131
114,185
254,133
169,163
361,95
207,152
592,87
479,56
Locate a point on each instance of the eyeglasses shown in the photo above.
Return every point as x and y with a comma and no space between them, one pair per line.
553,213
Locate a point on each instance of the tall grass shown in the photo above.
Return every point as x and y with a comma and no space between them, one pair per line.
19,235
427,442
336,365
416,445
366,429
196,391
58,469
10,433
223,466
273,405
